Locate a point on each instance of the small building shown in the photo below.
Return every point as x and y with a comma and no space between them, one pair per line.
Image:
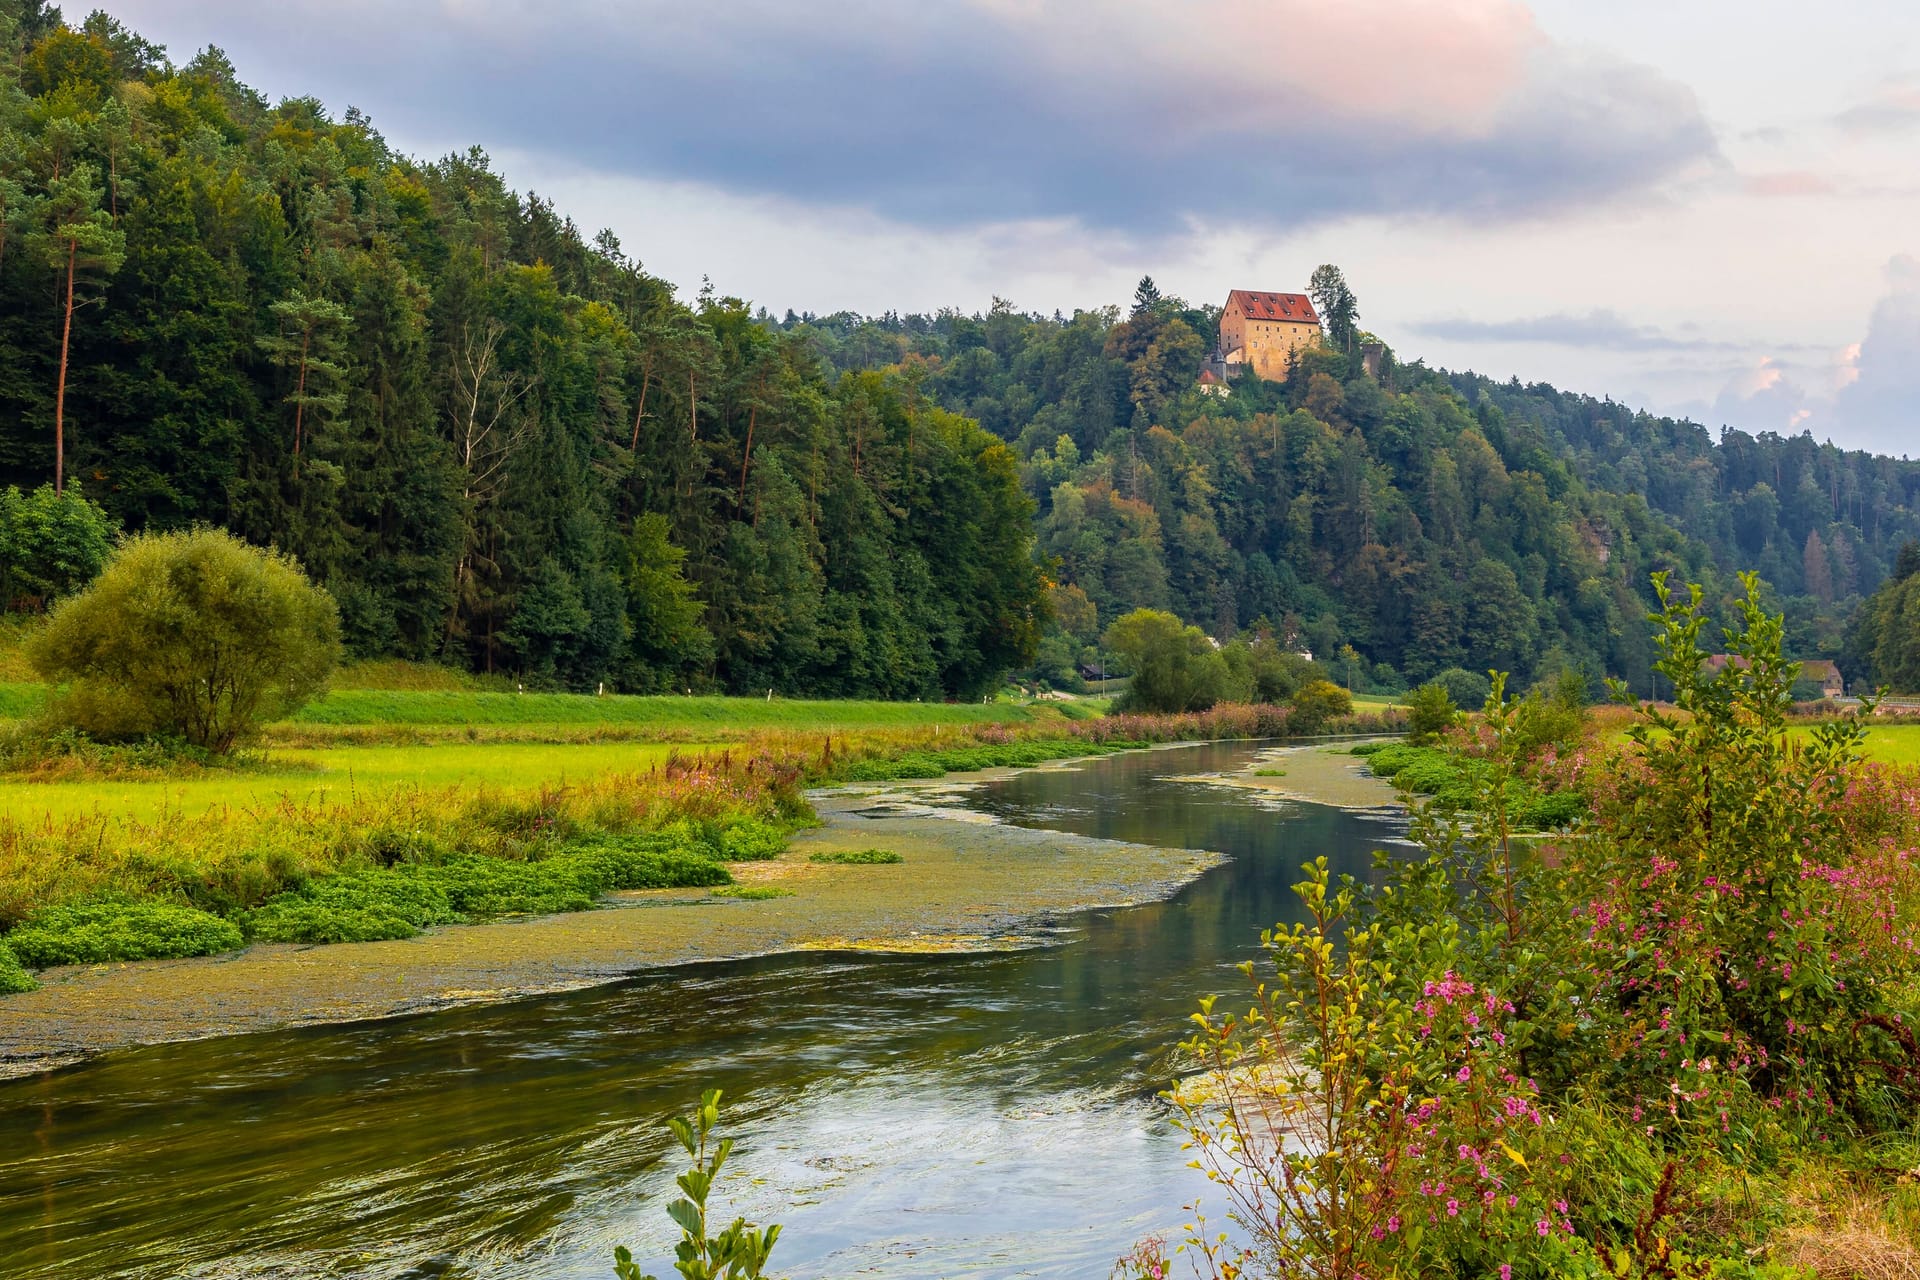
1818,671
1262,331
1213,384
1825,674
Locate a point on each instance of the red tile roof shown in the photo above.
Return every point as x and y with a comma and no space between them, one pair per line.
1256,305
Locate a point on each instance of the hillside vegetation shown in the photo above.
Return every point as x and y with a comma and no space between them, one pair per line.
504,446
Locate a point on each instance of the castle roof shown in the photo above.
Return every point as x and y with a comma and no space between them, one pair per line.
1258,305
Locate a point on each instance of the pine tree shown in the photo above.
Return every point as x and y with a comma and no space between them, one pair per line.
79,241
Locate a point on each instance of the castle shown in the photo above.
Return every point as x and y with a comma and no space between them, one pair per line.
1261,331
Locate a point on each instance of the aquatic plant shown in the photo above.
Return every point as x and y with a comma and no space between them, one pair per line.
118,929
13,975
856,857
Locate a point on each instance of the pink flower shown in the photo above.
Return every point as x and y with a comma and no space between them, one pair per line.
1453,1208
1464,1074
1506,1271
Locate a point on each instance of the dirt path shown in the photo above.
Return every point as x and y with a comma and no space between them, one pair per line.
966,883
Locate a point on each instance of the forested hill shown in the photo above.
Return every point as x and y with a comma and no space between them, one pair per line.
501,443
1427,519
495,442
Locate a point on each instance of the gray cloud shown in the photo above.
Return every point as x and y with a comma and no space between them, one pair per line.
1603,329
1144,118
1893,108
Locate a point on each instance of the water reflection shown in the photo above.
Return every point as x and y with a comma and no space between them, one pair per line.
974,1116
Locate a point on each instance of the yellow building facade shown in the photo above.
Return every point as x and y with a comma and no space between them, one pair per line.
1261,331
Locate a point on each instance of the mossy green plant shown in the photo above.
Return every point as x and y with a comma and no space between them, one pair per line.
117,929
13,975
856,857
751,892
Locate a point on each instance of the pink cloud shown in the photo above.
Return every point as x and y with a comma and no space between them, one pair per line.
1788,182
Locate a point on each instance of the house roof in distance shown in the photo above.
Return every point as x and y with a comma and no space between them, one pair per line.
1258,305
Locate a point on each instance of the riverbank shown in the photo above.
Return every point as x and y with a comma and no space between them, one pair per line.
1325,773
964,883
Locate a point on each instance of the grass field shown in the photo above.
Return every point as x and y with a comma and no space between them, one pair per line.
675,714
1893,743
332,774
428,728
1897,744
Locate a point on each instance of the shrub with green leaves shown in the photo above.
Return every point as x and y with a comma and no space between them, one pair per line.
1315,705
119,929
193,635
1612,1064
1430,713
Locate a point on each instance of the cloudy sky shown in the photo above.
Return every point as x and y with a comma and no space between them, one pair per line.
1710,207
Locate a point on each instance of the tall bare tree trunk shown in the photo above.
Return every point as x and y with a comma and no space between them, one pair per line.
60,387
746,459
646,379
300,393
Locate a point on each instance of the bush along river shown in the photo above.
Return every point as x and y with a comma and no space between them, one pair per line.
979,1115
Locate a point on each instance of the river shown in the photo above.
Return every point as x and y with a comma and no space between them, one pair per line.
947,1116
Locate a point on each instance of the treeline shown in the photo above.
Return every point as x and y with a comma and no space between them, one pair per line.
1823,525
496,442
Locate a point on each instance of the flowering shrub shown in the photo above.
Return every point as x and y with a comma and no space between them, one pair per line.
1529,1060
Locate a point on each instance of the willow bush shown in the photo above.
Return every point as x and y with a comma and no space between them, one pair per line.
195,636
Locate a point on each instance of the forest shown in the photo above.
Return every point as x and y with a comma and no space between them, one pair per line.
1397,525
501,444
497,443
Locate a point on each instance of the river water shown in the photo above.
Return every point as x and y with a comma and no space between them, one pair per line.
948,1116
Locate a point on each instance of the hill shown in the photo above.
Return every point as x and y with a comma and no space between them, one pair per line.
505,446
1427,519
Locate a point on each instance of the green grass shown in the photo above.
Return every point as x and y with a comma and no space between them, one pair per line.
1896,744
751,892
1374,702
330,774
857,857
918,765
439,707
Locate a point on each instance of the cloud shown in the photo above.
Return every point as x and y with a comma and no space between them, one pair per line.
1143,117
1762,397
1790,182
1878,404
1893,108
1602,329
